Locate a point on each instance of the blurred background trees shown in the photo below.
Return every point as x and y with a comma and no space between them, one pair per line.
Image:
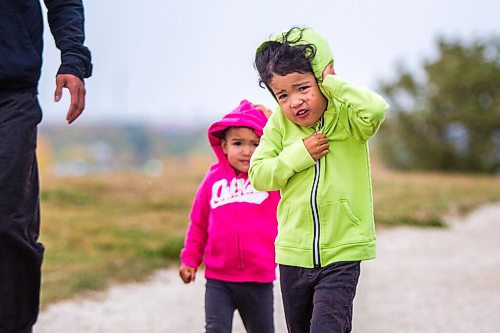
444,115
448,120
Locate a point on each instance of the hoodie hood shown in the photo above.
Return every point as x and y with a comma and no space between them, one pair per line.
245,115
301,36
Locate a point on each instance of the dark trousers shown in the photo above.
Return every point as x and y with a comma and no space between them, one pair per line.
254,302
319,300
20,253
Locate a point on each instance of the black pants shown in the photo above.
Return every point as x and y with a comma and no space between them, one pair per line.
319,300
20,253
254,302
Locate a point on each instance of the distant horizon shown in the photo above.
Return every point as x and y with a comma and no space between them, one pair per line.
105,122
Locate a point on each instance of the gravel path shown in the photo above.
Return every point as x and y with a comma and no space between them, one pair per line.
424,280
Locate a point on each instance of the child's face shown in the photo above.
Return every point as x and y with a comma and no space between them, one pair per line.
299,96
239,145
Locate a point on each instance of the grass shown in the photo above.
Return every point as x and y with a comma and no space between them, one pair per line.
113,228
119,227
426,199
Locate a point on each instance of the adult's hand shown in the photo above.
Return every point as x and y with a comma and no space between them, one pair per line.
76,88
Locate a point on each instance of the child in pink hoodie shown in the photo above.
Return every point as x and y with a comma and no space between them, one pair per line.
232,229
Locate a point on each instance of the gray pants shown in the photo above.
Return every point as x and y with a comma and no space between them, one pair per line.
254,302
319,300
20,253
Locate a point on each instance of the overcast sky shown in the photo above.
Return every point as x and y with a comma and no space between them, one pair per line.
191,61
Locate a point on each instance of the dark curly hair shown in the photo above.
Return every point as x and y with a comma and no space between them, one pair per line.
284,57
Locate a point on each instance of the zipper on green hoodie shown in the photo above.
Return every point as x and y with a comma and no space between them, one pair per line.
314,203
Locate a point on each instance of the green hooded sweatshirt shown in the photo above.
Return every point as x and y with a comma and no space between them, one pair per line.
326,210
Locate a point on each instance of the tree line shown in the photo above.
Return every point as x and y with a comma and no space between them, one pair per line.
447,119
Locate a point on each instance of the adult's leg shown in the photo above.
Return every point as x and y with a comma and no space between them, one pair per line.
20,253
219,307
255,303
333,298
297,291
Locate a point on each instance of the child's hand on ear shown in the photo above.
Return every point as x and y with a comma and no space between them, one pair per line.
317,145
264,110
187,274
329,70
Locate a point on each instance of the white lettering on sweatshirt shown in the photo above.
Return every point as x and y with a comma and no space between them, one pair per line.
239,190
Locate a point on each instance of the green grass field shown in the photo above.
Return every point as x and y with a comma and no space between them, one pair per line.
119,227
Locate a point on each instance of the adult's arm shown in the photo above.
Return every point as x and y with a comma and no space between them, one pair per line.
66,22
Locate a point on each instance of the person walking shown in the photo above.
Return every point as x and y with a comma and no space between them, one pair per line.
21,40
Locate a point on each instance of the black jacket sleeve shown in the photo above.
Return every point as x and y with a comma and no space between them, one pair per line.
66,21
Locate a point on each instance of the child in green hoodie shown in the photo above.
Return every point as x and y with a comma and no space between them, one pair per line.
314,150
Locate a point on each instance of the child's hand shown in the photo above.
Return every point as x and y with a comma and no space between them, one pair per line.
264,110
187,274
328,71
317,145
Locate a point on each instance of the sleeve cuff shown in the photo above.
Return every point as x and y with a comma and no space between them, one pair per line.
76,64
333,84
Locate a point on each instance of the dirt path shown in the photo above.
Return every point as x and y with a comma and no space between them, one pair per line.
422,281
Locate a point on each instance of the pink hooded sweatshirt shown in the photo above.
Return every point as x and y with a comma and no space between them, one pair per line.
233,226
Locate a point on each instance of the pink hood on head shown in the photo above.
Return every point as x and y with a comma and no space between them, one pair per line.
245,115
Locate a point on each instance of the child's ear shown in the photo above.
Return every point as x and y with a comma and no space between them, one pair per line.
223,145
328,71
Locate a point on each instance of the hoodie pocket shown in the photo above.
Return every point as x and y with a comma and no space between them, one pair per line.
339,225
296,228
